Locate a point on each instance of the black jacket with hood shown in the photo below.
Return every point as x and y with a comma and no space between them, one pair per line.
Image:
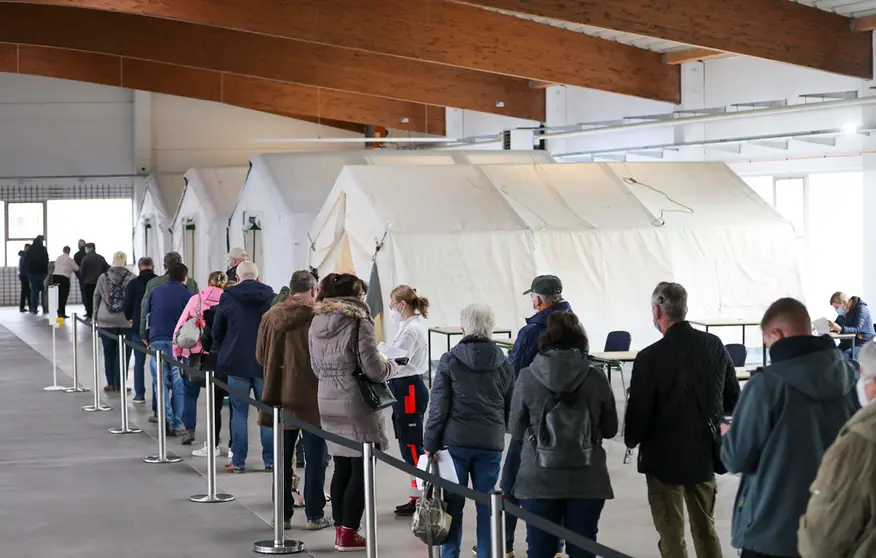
471,398
236,328
36,258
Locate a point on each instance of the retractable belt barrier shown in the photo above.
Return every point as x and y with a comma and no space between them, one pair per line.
279,545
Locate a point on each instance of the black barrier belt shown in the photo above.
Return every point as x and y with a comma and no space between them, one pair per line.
458,489
83,320
139,347
108,335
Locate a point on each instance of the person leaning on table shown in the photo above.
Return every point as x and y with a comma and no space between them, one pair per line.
853,317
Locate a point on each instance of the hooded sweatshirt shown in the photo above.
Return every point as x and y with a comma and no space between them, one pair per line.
236,328
36,258
204,300
562,371
787,417
471,398
115,276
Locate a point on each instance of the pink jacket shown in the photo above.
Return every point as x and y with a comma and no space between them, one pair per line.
209,298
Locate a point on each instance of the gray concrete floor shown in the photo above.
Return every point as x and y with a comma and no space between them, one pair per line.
69,488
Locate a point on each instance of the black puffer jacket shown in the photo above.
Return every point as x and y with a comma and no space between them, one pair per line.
36,259
471,398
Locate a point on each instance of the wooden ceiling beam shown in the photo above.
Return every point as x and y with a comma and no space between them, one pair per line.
339,109
775,30
269,57
866,23
436,31
691,55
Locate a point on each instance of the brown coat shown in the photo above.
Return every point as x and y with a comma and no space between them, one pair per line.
283,352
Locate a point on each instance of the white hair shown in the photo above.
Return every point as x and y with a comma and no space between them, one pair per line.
247,271
478,320
867,358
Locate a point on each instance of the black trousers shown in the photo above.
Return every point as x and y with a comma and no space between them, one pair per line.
411,400
348,492
89,300
63,293
24,301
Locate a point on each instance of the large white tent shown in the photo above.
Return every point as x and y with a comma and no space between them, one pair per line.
200,226
152,226
611,232
284,192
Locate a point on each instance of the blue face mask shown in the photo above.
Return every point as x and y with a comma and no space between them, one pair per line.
657,327
840,311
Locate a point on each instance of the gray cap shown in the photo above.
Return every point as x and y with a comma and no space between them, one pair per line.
546,285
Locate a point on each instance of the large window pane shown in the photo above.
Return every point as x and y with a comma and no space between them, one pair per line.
791,203
106,222
26,220
13,247
763,185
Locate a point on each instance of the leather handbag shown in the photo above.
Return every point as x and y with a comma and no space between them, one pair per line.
376,395
431,522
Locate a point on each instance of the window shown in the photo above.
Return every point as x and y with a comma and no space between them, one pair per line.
791,202
106,222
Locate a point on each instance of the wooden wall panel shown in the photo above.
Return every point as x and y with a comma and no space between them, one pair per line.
8,58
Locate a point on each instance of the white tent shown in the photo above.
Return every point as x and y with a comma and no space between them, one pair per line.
200,226
284,192
611,232
152,226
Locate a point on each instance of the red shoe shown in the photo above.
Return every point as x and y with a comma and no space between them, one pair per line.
349,541
337,535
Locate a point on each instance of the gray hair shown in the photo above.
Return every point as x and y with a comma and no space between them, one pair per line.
867,358
247,271
478,320
671,298
302,281
549,299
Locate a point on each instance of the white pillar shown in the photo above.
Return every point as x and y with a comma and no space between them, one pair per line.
454,123
555,115
693,96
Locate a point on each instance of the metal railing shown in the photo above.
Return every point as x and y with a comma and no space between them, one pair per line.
495,500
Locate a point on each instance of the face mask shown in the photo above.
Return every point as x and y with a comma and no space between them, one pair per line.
840,311
862,394
657,327
395,315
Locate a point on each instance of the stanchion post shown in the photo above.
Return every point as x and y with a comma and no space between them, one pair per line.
54,386
76,387
370,463
211,497
163,456
123,392
497,525
97,405
279,544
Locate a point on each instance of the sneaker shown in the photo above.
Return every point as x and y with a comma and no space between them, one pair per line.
408,509
269,468
203,451
174,433
348,540
187,438
108,389
232,469
287,524
141,401
153,420
474,552
321,523
230,455
297,499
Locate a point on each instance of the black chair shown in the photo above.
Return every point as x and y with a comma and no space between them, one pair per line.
619,341
738,354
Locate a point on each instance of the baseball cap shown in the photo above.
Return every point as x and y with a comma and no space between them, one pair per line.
546,285
238,254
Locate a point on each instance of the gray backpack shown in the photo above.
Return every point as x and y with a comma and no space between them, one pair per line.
563,437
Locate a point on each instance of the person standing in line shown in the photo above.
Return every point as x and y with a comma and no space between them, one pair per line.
468,414
77,258
235,257
342,341
407,310
235,331
789,414
840,519
65,267
282,349
91,269
109,308
679,390
36,262
563,477
170,259
133,300
853,317
24,299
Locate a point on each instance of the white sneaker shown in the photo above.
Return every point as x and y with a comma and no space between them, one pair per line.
203,451
321,523
230,455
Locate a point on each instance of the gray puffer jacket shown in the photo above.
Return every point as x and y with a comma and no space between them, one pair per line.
471,398
116,275
341,408
562,371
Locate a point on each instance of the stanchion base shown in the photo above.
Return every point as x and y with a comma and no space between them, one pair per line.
271,547
207,499
55,388
92,408
79,389
124,431
169,458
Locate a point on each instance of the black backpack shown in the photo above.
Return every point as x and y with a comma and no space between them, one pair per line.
563,440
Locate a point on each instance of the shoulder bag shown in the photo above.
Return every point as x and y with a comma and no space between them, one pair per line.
376,395
190,333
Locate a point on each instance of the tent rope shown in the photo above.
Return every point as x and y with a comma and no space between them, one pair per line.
378,244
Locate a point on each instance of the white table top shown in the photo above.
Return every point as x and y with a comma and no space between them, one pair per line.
505,343
843,335
725,322
744,372
623,356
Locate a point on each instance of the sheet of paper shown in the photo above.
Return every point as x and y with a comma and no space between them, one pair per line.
446,468
390,352
821,326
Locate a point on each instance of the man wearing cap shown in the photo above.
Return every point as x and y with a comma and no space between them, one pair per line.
235,257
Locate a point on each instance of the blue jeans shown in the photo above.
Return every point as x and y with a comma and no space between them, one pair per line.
239,431
314,474
190,406
482,467
174,387
139,369
578,515
36,290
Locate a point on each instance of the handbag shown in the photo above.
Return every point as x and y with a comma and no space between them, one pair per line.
431,522
376,395
189,334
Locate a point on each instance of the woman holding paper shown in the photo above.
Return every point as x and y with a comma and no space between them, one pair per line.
853,316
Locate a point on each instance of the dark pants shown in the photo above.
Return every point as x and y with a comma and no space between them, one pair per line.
24,299
314,475
63,293
482,467
190,402
111,355
348,492
668,502
507,486
37,291
220,394
411,399
139,370
88,301
578,515
753,554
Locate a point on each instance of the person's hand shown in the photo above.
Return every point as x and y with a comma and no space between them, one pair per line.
834,327
724,428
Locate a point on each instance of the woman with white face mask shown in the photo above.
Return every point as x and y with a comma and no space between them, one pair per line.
407,310
853,317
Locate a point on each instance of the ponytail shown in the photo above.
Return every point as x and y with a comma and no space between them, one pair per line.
419,304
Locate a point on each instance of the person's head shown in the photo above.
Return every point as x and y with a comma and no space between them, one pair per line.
478,320
668,305
786,317
178,272
237,256
303,285
171,259
545,291
247,271
39,240
867,381
217,279
145,263
840,302
90,247
120,258
66,250
27,246
81,244
336,285
404,302
565,331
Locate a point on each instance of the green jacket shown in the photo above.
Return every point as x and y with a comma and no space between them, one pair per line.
157,282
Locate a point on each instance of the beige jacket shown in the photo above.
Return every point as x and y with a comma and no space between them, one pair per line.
840,521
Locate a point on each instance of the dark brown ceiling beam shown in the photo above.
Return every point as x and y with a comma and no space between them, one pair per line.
866,23
434,31
268,57
691,55
339,109
775,29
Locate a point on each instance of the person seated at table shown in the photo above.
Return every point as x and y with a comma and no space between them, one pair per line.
853,317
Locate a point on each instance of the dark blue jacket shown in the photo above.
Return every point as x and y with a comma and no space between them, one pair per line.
859,321
236,327
526,345
134,293
164,307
